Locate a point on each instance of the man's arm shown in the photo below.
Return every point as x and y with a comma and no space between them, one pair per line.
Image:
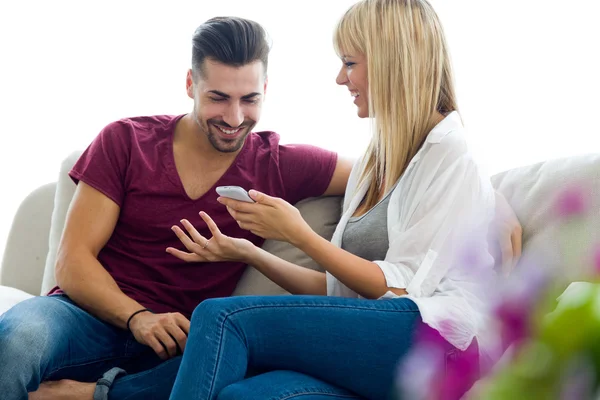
339,180
90,222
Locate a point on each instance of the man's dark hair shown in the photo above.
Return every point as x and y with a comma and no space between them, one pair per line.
231,41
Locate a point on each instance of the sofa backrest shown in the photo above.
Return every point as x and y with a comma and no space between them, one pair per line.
557,204
30,253
27,244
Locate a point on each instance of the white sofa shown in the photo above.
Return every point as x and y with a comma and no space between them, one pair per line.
29,258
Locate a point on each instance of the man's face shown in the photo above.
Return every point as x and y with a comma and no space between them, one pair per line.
227,102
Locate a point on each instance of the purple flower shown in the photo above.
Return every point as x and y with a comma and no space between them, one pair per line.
571,202
434,370
517,302
419,372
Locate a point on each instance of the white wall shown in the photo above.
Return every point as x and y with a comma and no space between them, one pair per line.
527,75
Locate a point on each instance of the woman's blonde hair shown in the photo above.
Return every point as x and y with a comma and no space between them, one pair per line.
409,77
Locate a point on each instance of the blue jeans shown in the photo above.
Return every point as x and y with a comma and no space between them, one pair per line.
51,338
308,347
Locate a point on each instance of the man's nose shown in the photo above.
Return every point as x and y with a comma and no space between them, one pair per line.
234,116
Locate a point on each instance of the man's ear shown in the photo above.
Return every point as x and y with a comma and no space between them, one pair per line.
189,84
266,84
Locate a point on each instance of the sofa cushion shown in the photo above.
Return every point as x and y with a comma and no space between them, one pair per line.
27,244
10,296
65,189
320,213
541,195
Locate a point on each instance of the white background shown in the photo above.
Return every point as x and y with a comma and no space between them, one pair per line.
527,73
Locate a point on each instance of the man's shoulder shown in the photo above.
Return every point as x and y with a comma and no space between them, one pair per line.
140,128
271,141
150,122
264,139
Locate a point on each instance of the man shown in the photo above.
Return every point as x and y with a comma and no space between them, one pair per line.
122,300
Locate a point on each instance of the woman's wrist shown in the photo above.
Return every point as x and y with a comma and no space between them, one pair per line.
303,237
250,253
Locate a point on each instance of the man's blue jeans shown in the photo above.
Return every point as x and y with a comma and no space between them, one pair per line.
310,347
50,338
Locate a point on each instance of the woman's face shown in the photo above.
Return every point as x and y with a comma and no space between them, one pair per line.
353,75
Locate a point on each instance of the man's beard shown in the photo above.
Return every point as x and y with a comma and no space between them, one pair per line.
217,142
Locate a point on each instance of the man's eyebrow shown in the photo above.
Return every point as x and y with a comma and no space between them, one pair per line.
218,93
251,95
225,95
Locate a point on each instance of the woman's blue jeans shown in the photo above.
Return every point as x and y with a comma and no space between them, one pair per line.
307,348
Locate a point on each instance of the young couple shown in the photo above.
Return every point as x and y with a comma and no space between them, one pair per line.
130,275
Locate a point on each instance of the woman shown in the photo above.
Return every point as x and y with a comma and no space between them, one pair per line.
409,250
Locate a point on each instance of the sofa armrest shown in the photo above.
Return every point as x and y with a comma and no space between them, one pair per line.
27,245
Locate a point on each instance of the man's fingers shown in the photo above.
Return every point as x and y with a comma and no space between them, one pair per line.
183,323
187,257
167,341
157,347
177,335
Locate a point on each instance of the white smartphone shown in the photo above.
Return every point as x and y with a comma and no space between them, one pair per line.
235,193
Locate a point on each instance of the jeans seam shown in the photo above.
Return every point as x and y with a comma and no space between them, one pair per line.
212,381
85,363
316,305
231,313
291,396
145,372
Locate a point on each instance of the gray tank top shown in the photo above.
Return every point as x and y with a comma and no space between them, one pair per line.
366,236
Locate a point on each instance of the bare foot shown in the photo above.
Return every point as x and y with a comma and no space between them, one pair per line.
64,390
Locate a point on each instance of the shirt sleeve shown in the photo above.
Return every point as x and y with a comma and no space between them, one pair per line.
441,232
103,165
306,170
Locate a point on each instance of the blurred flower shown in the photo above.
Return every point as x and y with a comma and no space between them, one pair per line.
578,380
419,372
571,202
518,300
434,370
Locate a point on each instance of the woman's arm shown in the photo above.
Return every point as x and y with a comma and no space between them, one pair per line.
362,276
293,278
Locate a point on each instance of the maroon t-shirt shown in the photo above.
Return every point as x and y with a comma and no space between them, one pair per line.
131,161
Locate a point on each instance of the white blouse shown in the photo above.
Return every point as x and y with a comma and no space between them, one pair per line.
438,217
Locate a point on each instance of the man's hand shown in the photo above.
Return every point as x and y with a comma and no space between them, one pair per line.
166,334
508,234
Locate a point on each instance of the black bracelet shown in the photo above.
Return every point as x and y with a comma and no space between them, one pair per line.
136,313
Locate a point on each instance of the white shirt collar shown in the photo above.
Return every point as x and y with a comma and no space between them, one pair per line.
450,123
